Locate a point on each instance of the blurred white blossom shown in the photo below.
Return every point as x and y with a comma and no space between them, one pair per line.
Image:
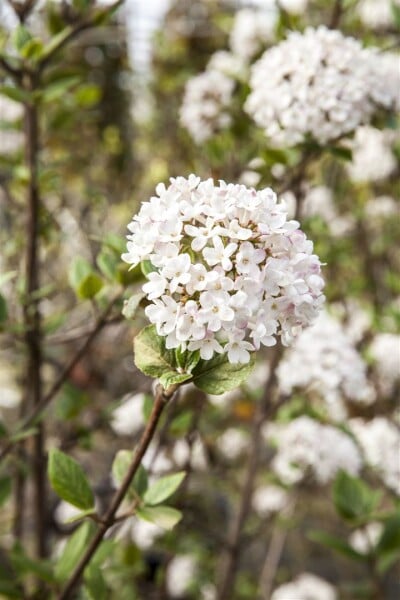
128,418
373,159
385,351
232,443
364,540
380,443
180,574
305,587
269,499
252,30
304,446
319,84
205,106
376,14
324,360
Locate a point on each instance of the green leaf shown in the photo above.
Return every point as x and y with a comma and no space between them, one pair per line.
107,261
88,95
119,469
21,37
218,375
5,488
131,306
82,515
80,268
153,359
335,543
32,49
353,498
55,41
3,309
388,547
341,152
89,286
95,587
71,402
24,564
163,488
4,277
56,89
69,481
73,550
147,267
163,516
15,94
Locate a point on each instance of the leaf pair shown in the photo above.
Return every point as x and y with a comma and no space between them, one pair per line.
214,376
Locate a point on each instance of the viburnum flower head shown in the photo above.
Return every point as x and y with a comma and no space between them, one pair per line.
231,273
321,85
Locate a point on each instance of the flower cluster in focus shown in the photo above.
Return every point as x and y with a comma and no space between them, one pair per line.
230,272
320,84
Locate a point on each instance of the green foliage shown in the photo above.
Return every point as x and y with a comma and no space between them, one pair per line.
84,280
5,488
214,376
3,309
335,543
131,305
353,498
119,469
218,375
163,488
388,548
68,480
163,516
73,550
153,359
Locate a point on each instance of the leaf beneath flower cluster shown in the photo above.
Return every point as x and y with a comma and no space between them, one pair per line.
214,376
153,359
218,375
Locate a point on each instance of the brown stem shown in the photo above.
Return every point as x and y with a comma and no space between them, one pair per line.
273,556
231,556
336,14
160,401
35,414
32,319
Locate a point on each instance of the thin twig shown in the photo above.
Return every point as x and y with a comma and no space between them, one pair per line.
231,557
336,15
47,398
273,556
160,401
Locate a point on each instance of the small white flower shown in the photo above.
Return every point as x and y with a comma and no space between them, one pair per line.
156,285
177,270
220,254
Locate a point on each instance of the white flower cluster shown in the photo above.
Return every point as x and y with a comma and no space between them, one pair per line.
380,443
385,350
231,273
305,587
319,202
324,360
305,448
128,417
320,85
205,107
377,14
373,159
365,540
252,30
269,499
294,7
181,574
